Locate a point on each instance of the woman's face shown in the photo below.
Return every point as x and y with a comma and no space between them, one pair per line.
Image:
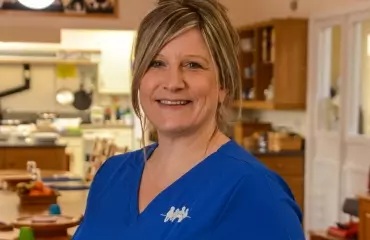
179,92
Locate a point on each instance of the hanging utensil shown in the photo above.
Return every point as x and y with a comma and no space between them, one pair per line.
82,98
64,96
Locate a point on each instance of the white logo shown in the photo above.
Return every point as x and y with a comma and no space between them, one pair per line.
178,214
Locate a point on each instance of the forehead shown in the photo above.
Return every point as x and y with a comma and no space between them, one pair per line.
190,42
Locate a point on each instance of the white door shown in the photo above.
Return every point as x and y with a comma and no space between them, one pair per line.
356,148
323,154
338,153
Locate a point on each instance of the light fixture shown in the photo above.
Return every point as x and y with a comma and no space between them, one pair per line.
36,4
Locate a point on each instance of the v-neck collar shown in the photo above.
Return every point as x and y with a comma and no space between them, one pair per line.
136,216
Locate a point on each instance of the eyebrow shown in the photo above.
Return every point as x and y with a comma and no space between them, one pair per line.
190,55
198,56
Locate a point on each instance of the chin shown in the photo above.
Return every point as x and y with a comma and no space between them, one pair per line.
172,129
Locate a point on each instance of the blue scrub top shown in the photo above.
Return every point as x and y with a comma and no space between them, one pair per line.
230,195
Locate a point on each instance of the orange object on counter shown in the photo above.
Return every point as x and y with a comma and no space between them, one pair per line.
38,185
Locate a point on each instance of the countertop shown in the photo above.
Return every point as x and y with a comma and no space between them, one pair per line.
30,145
105,126
364,196
88,127
280,153
72,203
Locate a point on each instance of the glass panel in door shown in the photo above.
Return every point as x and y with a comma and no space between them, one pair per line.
360,93
328,66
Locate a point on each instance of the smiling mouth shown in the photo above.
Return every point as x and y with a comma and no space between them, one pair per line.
174,102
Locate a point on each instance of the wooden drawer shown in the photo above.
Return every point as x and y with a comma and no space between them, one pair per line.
48,158
284,165
365,204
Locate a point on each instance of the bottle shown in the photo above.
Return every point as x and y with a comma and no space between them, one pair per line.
31,165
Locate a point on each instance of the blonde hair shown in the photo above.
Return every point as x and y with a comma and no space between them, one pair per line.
169,19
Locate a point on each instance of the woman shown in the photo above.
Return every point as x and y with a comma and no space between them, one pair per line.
195,183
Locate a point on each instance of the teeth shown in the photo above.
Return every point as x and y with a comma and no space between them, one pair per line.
168,102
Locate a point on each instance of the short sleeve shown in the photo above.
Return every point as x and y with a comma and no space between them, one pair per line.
261,207
98,184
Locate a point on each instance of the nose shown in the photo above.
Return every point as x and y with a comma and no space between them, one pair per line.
174,80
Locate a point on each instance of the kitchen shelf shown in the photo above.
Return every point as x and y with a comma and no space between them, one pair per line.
267,105
45,61
254,104
273,64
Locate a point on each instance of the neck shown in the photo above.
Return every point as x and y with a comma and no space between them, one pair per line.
187,150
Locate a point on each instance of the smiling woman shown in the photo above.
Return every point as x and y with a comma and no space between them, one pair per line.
180,89
195,183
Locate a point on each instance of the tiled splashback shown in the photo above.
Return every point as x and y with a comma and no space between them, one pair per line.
292,120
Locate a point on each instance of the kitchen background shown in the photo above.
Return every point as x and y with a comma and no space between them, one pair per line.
129,15
101,61
331,170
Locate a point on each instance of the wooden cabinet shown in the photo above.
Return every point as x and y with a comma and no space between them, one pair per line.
115,63
291,168
364,214
48,158
273,63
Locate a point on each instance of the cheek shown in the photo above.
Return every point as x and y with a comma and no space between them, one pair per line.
205,88
146,90
146,87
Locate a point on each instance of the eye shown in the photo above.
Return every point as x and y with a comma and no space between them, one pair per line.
156,64
193,65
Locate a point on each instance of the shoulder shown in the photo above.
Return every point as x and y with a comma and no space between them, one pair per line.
115,167
121,161
254,175
242,163
262,195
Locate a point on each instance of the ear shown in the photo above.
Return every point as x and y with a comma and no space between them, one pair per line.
221,95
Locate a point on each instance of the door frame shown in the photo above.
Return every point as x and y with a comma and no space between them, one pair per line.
316,23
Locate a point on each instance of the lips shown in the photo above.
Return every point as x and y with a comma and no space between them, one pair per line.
173,102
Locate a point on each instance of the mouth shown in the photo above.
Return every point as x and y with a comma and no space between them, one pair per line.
173,102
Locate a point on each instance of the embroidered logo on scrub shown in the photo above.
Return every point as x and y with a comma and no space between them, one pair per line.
176,214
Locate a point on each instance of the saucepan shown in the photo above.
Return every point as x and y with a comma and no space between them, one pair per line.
65,96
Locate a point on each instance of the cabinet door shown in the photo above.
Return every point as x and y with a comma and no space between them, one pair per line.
77,160
75,150
364,233
45,158
81,39
115,63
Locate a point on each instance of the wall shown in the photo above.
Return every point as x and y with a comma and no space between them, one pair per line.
41,96
45,82
264,9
